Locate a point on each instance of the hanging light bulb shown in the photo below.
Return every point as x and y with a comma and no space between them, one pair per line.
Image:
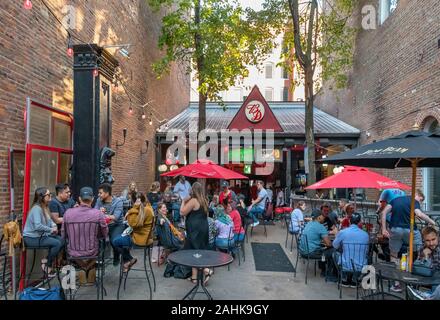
95,72
143,114
69,46
151,120
27,4
130,110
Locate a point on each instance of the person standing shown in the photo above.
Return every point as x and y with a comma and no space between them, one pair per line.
113,209
182,188
41,231
195,209
399,232
61,203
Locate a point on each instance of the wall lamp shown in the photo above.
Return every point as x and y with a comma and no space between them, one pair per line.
147,143
124,134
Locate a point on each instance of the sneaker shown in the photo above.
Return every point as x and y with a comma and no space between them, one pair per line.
396,288
346,284
255,224
419,295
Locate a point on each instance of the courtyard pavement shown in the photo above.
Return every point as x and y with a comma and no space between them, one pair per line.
240,283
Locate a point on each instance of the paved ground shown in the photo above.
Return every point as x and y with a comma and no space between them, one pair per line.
240,283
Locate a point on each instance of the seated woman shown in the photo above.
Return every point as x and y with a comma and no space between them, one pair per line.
297,218
154,196
236,220
225,227
41,231
169,236
140,222
212,230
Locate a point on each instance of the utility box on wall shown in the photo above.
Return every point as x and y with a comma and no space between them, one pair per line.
94,69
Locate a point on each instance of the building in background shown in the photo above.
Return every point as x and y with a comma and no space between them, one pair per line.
395,81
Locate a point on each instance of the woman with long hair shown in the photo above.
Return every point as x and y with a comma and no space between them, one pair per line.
140,231
225,226
195,209
40,230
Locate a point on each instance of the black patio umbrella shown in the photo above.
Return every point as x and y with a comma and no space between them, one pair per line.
410,149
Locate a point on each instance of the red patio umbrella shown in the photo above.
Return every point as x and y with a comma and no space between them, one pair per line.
205,169
358,177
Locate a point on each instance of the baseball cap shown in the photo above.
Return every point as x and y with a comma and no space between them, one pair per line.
316,213
225,184
355,218
86,193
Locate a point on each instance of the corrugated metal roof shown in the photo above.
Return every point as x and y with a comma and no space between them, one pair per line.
289,114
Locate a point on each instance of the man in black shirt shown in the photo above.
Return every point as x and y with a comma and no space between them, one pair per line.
59,205
331,219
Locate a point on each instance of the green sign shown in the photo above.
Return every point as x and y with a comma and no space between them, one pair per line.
247,169
241,154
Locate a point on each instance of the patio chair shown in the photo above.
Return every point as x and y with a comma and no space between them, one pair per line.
262,219
349,263
3,254
287,221
78,239
231,247
147,249
316,256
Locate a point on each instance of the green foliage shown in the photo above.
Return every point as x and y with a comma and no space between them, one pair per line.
230,39
332,39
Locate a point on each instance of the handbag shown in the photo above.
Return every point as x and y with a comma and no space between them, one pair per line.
54,293
422,268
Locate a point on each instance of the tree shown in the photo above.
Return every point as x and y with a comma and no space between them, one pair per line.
216,38
316,37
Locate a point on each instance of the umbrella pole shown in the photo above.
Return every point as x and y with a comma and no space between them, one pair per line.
414,163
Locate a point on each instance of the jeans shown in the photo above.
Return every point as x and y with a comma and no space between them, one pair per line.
222,243
400,237
54,243
119,242
114,231
239,237
255,213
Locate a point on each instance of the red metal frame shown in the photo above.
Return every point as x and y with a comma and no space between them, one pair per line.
28,165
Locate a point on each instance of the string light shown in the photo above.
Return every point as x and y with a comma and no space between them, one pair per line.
69,46
95,72
143,114
151,120
27,4
130,110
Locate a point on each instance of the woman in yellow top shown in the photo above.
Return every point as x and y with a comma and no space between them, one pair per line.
140,231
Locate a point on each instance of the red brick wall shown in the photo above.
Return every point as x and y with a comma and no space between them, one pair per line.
395,79
34,63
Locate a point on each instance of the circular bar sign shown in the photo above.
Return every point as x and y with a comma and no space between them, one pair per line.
254,111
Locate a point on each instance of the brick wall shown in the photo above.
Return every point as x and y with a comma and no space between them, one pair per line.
395,79
34,63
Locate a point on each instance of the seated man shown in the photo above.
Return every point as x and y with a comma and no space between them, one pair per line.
354,243
346,222
83,239
316,234
330,218
431,249
340,211
256,209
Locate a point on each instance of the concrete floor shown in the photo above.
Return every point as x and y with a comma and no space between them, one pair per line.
240,283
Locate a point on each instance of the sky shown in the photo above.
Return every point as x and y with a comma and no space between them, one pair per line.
254,4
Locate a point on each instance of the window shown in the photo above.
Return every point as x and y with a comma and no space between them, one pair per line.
284,73
268,94
431,176
269,70
386,8
285,94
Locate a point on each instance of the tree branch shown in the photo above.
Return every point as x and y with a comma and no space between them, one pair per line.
311,27
294,10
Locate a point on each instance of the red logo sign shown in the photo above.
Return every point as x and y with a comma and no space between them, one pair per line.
255,111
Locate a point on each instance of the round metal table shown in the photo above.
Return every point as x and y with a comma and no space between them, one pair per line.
388,271
200,259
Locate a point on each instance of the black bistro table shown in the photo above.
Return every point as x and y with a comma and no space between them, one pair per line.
200,259
389,271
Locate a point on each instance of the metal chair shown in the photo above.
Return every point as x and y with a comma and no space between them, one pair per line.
350,261
147,248
262,219
82,237
287,222
5,256
231,246
316,256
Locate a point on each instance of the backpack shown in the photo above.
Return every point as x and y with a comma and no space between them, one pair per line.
54,293
12,234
